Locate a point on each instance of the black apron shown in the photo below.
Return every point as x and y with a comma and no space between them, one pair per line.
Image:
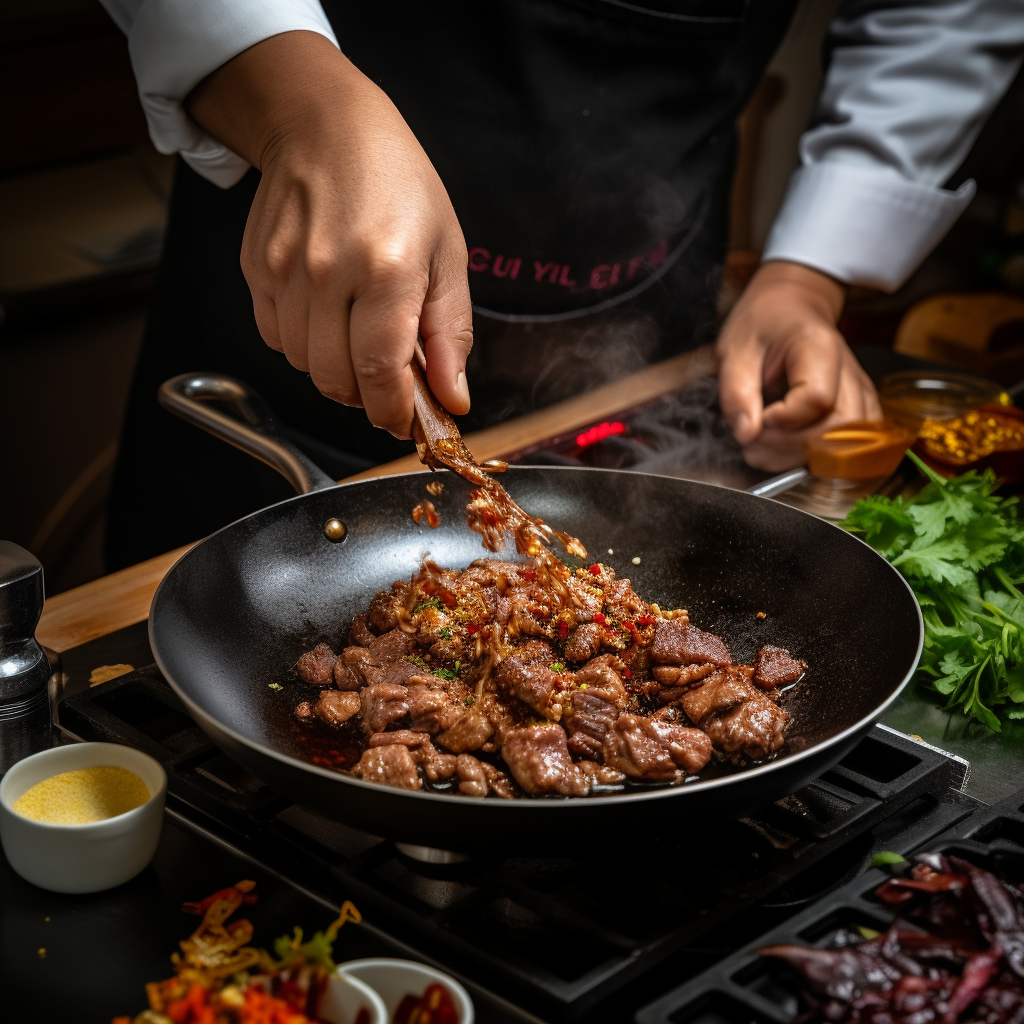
587,146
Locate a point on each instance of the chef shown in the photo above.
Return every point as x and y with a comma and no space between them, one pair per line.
551,176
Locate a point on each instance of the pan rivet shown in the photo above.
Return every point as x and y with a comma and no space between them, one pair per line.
335,529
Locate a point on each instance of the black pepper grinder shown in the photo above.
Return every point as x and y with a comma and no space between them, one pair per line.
24,667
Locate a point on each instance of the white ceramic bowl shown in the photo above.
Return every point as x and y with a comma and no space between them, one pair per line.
346,996
393,980
81,858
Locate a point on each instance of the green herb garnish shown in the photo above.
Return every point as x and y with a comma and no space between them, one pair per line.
887,857
557,666
469,701
445,633
961,549
417,660
274,686
432,602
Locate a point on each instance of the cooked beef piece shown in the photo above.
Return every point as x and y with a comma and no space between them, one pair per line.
407,737
359,632
673,676
676,642
382,704
527,674
587,597
384,609
478,778
502,720
316,667
539,760
637,658
432,707
756,727
336,707
393,645
600,774
392,765
584,642
647,749
436,765
350,670
592,708
304,710
718,692
470,732
518,609
622,602
472,779
484,571
774,666
395,672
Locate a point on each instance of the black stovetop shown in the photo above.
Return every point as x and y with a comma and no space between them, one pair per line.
591,935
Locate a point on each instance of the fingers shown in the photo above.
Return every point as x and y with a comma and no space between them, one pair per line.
813,365
739,383
446,326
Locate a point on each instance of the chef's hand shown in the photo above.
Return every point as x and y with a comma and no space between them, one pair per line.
352,245
781,336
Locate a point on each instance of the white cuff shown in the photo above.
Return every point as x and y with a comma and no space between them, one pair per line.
862,225
175,44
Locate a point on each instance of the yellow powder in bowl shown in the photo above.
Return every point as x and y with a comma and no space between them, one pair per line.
84,795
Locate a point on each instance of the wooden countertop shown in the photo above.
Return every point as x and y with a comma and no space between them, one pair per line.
123,598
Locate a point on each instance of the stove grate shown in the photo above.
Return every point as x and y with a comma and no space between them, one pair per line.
557,935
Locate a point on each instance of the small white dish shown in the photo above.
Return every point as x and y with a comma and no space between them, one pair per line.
393,980
346,997
81,858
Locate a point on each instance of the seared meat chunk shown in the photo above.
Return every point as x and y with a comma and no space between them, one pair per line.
336,707
470,732
676,642
681,676
303,709
527,674
718,692
600,774
382,704
592,708
539,760
384,609
316,667
391,765
584,642
587,597
478,778
774,666
350,670
622,601
434,705
756,727
436,766
393,645
360,633
647,749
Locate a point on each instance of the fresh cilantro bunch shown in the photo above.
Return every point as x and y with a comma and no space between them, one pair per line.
961,549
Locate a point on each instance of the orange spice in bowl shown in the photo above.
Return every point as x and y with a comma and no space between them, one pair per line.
989,437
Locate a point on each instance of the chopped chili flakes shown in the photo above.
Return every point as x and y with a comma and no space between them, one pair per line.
600,618
563,629
595,569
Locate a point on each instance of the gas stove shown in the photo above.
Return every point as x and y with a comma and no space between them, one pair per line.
593,934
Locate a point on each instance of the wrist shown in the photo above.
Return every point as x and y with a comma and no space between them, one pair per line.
289,84
822,293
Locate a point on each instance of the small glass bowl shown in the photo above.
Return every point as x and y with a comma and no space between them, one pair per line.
910,397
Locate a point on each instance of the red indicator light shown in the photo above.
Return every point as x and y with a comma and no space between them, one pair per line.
600,432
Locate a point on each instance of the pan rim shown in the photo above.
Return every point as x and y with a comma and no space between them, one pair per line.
663,792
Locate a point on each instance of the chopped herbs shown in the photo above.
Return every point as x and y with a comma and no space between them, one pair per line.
432,602
417,660
886,857
274,686
469,701
557,666
445,633
961,549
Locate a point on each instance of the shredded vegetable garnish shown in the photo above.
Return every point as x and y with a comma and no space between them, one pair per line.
221,979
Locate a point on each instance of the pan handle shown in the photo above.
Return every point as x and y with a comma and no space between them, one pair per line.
194,397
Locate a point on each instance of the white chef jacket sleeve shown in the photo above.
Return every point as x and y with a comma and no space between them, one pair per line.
907,89
175,44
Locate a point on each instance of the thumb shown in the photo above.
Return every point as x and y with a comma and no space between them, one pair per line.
446,326
740,376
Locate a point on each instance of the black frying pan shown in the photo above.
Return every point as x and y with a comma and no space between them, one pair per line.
236,612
